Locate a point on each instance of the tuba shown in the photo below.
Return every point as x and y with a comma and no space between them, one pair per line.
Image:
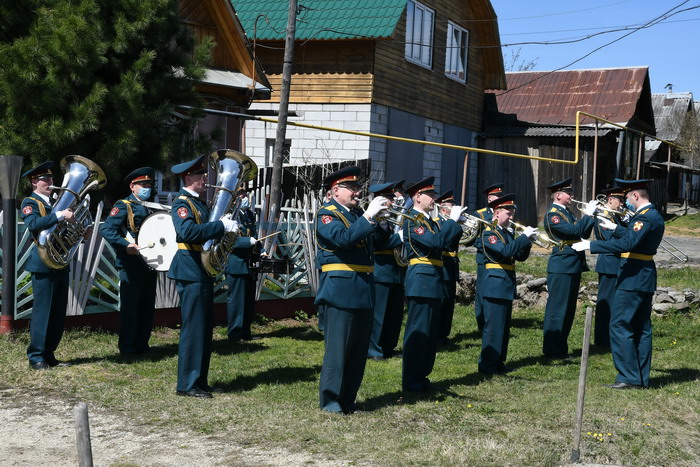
232,170
59,243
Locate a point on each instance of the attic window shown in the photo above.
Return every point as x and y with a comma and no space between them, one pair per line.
457,52
419,34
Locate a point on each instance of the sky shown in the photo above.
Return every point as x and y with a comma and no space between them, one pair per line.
669,46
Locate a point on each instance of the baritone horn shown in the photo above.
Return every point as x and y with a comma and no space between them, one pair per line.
58,244
233,169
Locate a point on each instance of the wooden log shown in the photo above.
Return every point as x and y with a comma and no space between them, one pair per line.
82,434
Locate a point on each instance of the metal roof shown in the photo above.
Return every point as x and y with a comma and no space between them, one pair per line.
670,111
321,19
540,131
553,97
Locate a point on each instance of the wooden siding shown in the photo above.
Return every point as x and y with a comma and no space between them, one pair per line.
413,88
528,179
323,72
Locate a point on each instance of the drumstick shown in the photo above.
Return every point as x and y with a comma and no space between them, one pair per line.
150,245
270,235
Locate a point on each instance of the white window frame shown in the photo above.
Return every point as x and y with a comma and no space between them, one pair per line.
419,34
457,52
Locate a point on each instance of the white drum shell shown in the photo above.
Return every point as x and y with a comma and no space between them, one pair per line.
158,229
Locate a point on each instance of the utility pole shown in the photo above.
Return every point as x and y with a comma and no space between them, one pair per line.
276,182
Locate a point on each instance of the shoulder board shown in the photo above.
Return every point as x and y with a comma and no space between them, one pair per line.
331,207
644,211
436,219
553,210
487,228
482,210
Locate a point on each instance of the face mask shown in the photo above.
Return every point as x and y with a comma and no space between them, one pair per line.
629,206
245,203
144,193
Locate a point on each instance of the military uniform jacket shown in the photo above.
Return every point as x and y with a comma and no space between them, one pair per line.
487,215
192,230
608,263
637,246
425,242
126,216
385,268
501,251
243,250
345,242
38,217
450,259
561,224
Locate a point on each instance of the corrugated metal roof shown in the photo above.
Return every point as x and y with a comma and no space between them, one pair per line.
555,97
670,111
540,131
321,19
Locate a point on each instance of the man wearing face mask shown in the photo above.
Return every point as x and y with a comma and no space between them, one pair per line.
240,301
137,282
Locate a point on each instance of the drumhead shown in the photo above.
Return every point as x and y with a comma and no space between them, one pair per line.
158,230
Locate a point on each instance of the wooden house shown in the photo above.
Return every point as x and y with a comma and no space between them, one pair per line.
536,115
406,68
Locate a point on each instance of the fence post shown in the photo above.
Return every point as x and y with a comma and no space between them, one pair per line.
82,434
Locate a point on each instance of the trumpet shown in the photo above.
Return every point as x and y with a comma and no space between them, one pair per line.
541,239
600,209
395,213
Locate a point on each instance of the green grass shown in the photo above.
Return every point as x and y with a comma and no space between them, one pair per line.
271,399
684,225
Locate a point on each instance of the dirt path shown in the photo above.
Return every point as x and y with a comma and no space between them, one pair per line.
39,431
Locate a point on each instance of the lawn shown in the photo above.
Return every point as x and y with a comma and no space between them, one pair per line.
684,225
271,398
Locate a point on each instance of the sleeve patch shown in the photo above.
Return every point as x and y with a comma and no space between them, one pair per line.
556,220
492,239
326,219
638,226
114,211
27,210
182,212
419,230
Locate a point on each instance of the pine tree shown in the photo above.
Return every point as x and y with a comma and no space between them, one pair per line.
99,78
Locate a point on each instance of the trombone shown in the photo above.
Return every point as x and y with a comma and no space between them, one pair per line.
541,239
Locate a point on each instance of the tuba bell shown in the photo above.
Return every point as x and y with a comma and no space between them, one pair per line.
232,170
58,244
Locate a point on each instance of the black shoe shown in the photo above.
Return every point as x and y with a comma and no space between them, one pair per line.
214,390
504,370
195,392
624,386
39,366
377,359
396,354
52,363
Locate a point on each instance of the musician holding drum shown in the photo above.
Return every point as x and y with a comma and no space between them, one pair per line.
137,281
50,286
194,285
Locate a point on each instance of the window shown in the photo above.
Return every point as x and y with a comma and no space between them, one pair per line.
270,151
419,34
456,52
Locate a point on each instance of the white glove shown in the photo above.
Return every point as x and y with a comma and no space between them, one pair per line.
253,241
591,207
456,212
229,225
375,206
530,232
400,234
582,245
607,224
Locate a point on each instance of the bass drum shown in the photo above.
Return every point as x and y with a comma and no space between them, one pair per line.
157,241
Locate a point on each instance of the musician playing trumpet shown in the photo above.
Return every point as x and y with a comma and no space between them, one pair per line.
50,286
501,251
424,284
564,267
388,284
607,264
450,259
137,281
